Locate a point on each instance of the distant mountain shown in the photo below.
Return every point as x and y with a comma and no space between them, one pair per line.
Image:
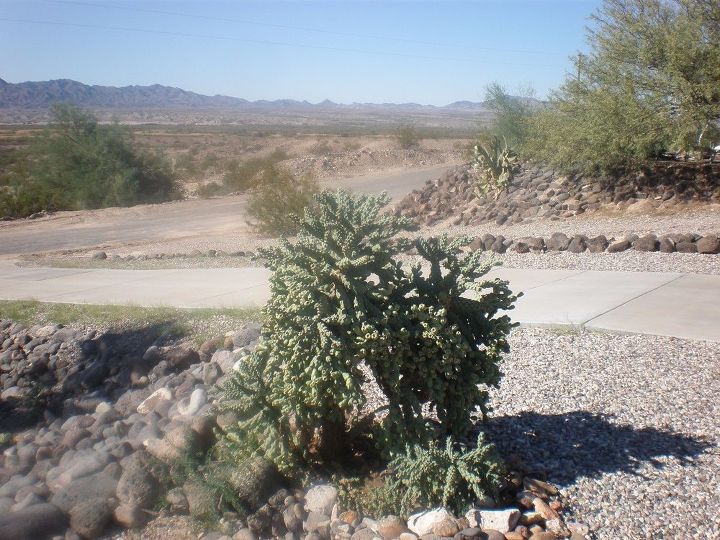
40,95
33,95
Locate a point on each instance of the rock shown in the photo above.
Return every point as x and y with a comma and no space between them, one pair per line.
161,449
476,244
208,348
539,486
542,508
498,245
709,244
200,498
558,242
247,335
447,527
154,400
130,516
492,534
82,464
98,486
225,359
543,535
136,485
180,358
667,245
598,244
38,521
423,522
500,520
211,373
99,255
617,247
244,534
90,517
649,242
190,406
366,534
177,500
577,244
470,533
391,527
686,247
321,499
557,527
408,536
315,520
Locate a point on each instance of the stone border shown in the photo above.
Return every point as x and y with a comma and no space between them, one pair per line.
579,243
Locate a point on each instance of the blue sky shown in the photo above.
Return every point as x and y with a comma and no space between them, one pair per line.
391,51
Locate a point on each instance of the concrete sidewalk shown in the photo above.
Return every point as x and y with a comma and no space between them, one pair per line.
669,304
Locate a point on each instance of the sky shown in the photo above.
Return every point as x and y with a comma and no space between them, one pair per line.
371,51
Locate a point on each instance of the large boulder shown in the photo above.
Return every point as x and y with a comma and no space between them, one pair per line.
89,518
137,486
33,523
424,522
649,242
709,244
97,486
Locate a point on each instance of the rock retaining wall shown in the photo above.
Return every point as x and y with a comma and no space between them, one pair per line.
537,192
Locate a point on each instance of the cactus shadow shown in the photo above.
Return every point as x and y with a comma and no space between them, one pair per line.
565,447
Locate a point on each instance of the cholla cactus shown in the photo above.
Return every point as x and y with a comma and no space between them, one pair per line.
453,476
340,298
493,164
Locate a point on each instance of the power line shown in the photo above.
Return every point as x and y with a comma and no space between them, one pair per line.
257,41
301,28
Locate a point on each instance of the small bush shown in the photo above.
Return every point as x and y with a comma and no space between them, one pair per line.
407,136
280,197
211,189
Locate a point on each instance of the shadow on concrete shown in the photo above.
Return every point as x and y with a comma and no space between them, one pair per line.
564,447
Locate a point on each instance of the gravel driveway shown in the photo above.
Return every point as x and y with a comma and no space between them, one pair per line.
628,424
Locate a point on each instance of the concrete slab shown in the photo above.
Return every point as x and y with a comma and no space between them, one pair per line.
688,307
673,304
522,281
576,299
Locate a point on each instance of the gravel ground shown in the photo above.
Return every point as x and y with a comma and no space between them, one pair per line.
628,425
627,261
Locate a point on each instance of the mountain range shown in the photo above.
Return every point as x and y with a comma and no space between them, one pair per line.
42,94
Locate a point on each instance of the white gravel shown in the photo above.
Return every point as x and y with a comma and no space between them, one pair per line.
627,261
628,425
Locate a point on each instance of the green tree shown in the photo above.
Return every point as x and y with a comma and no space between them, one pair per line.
78,163
651,83
512,114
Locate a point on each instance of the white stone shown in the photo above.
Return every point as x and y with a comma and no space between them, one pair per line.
503,520
321,499
198,398
423,522
149,403
102,408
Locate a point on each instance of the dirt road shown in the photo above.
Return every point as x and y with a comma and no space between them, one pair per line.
169,221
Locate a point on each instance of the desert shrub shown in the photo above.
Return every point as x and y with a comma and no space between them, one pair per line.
493,164
649,85
512,114
407,136
77,163
248,174
211,189
279,198
341,299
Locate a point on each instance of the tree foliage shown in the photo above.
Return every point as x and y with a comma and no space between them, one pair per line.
650,84
278,200
78,163
341,300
